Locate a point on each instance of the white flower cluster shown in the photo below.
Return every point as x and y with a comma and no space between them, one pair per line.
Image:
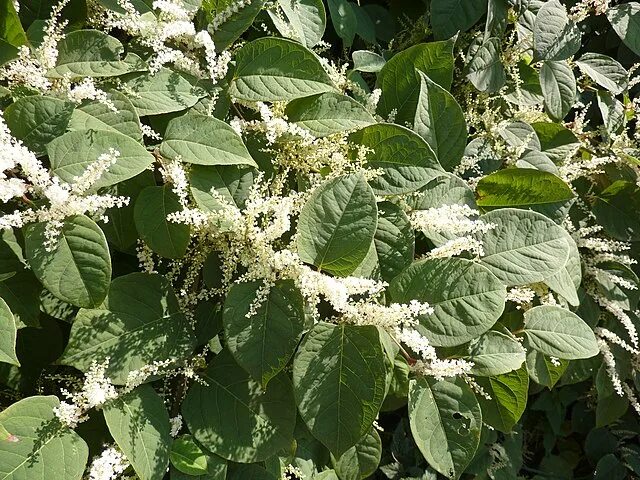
87,90
97,389
65,199
176,425
109,465
455,223
521,296
429,363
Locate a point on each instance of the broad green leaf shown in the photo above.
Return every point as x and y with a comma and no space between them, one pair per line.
440,121
555,35
625,20
538,161
39,447
400,81
449,17
617,209
485,70
361,460
559,333
139,323
120,229
8,332
164,92
529,91
216,470
556,141
270,69
11,258
166,238
394,240
466,297
11,30
235,24
78,269
339,383
204,140
524,188
399,386
558,88
344,19
37,119
72,153
263,343
446,422
139,423
328,113
253,471
234,417
98,116
612,111
524,247
495,353
22,294
406,160
567,280
231,182
366,61
446,189
337,224
520,134
91,53
605,71
307,20
187,456
542,370
509,393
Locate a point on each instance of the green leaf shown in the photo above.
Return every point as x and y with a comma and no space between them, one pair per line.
22,294
361,460
78,269
98,116
37,119
449,17
271,69
446,189
39,444
557,141
495,353
11,30
234,417
400,81
204,140
612,111
605,71
446,422
541,370
406,160
187,456
625,20
560,333
524,247
163,92
339,383
555,35
8,335
139,423
567,280
440,121
394,240
216,469
90,53
344,20
229,181
337,224
328,113
558,88
73,153
485,70
264,342
307,20
167,239
466,297
525,188
235,24
139,323
366,61
616,209
509,393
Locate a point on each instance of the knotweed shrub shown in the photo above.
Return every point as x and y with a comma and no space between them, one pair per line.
296,239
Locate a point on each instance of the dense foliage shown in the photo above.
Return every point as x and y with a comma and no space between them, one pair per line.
298,239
